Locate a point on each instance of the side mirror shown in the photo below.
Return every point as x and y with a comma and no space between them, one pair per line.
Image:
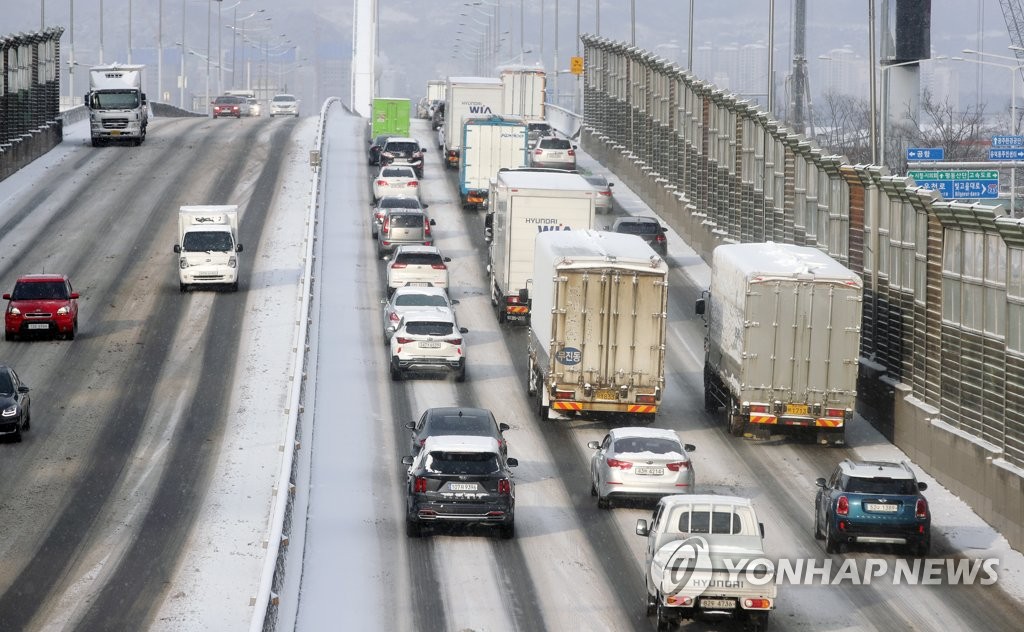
391,330
699,307
144,100
921,486
641,527
488,236
86,101
177,248
760,526
424,150
593,445
819,482
433,222
411,425
447,259
407,460
23,389
454,301
689,447
463,330
74,295
611,184
503,427
425,205
7,296
238,248
512,462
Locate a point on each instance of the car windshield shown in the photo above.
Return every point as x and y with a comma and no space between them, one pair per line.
429,328
540,128
709,522
406,220
419,258
47,290
555,143
891,486
391,202
420,300
115,100
472,463
6,383
403,147
283,98
227,100
202,241
397,173
656,445
456,425
638,228
598,181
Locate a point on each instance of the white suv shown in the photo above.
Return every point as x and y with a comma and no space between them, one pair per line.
418,266
284,105
428,340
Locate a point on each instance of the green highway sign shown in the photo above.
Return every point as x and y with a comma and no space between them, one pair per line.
980,174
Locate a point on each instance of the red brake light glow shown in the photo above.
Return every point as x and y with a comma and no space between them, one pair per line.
622,465
921,510
382,183
420,486
679,465
504,487
402,340
843,506
399,265
438,266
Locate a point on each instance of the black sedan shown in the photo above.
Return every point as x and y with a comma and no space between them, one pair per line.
451,420
15,404
458,479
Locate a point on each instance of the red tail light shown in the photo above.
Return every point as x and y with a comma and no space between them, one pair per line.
921,511
378,214
759,408
571,152
382,183
606,193
399,265
538,152
412,183
420,485
622,465
455,341
438,266
675,467
660,239
387,224
403,340
835,412
426,227
843,506
393,317
504,487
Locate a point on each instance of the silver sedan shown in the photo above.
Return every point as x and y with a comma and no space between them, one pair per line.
409,299
639,463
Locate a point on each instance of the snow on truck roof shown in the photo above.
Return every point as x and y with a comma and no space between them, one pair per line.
587,248
480,80
775,259
514,178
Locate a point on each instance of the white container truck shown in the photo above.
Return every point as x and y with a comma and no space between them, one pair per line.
489,144
522,205
783,340
435,90
523,92
208,246
597,333
465,97
118,110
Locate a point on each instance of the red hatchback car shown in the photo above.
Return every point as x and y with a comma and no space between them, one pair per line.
41,304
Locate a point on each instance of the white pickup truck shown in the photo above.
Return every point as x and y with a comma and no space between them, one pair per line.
705,555
208,246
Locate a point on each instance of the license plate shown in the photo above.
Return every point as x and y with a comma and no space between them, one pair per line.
797,409
649,471
115,133
606,393
885,508
38,326
718,603
462,487
430,345
418,284
555,154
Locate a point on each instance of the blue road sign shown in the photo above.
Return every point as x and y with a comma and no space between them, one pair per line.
1006,154
1005,142
963,189
926,153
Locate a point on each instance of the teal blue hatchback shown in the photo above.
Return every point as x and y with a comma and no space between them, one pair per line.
872,502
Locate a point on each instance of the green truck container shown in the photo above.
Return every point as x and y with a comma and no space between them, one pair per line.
390,116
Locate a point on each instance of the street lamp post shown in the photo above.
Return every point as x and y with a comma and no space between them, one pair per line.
884,118
181,77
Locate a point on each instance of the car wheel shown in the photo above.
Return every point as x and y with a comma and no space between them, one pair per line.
28,421
182,287
593,488
460,375
9,336
831,542
234,286
604,503
921,548
17,435
74,331
413,528
817,526
396,372
508,531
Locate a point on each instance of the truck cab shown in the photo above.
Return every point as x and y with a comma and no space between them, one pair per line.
118,109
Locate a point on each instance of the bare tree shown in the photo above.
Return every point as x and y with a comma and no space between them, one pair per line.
841,126
962,134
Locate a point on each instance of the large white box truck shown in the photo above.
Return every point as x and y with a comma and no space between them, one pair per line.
117,107
523,91
489,144
522,205
783,340
465,97
597,333
208,246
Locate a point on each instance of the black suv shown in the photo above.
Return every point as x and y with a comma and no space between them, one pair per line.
402,151
872,502
450,420
460,479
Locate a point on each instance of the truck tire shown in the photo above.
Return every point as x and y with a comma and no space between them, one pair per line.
757,622
736,422
665,621
711,403
652,605
542,407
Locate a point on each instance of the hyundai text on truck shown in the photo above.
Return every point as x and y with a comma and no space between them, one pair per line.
597,331
389,117
489,144
465,97
523,91
208,246
522,205
117,107
782,341
705,556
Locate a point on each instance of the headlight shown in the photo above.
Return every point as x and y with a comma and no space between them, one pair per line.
63,311
232,262
182,263
11,410
14,311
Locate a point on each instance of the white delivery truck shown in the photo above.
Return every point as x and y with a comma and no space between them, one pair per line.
783,340
705,555
435,90
118,110
523,91
597,328
465,97
208,246
489,144
521,205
